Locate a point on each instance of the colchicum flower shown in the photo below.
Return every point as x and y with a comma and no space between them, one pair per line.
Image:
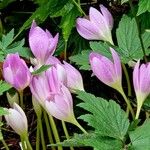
42,43
16,72
45,85
141,82
107,71
17,119
98,26
61,107
70,76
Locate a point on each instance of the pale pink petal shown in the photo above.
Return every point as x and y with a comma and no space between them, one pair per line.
98,19
39,43
62,75
136,76
107,16
117,63
53,110
53,44
74,78
87,30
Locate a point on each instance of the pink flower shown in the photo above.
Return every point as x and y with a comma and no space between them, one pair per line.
70,76
42,43
107,71
141,82
45,85
16,72
98,26
17,119
74,78
61,107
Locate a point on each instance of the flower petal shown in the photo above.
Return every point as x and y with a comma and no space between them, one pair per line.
87,30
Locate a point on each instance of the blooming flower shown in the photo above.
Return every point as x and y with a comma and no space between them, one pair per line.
141,82
45,85
98,26
107,71
61,107
42,43
16,72
17,119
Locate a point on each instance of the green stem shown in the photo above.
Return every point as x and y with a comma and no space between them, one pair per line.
139,34
55,131
66,132
5,145
50,137
127,102
41,131
75,122
21,98
138,112
28,143
38,137
79,7
127,79
23,143
65,51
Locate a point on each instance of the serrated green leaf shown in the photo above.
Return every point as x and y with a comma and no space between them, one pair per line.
43,12
82,60
7,39
41,69
124,1
144,5
102,48
93,140
2,57
4,86
107,118
18,47
140,138
128,40
63,11
68,22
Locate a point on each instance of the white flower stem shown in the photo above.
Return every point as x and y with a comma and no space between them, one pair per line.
50,137
55,131
75,122
66,132
127,102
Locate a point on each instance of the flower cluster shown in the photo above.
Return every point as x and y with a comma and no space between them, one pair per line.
52,88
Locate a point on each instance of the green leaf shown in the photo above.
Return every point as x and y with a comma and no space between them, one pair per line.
18,47
124,1
43,12
63,11
3,111
7,40
93,140
4,86
107,118
144,5
102,48
129,42
41,69
140,138
2,57
68,22
5,3
82,60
